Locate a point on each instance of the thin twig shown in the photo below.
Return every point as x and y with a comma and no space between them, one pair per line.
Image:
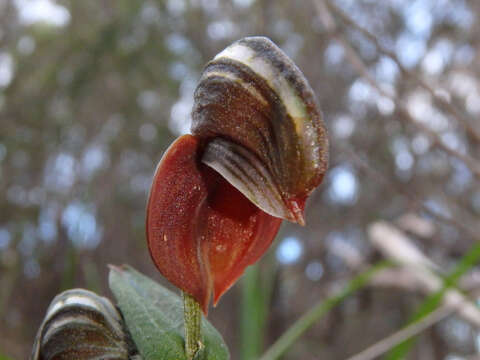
389,342
414,198
357,62
382,49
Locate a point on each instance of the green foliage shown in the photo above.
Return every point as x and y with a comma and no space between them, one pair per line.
434,300
154,317
319,310
254,312
3,357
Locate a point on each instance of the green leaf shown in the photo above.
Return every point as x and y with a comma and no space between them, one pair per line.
466,263
154,317
254,313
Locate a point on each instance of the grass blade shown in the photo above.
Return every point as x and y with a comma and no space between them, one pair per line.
319,310
434,300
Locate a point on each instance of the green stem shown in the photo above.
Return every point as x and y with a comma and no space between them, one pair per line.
253,314
192,316
315,313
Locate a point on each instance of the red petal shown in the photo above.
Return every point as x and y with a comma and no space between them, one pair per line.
202,232
238,234
176,197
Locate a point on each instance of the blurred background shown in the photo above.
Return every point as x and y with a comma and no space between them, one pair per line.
92,93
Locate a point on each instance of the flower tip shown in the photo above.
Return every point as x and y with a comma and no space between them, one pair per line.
296,208
220,290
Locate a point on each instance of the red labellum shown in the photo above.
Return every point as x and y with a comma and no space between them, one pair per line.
202,232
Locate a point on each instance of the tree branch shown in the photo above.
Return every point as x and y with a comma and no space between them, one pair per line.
329,23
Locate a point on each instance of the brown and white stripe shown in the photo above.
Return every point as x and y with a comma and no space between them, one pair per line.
252,96
81,325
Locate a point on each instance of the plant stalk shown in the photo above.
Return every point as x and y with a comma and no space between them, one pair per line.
192,317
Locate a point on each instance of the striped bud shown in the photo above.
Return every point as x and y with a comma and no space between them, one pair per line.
267,136
81,325
258,149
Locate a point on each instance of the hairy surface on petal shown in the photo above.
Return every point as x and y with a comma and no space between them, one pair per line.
202,232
